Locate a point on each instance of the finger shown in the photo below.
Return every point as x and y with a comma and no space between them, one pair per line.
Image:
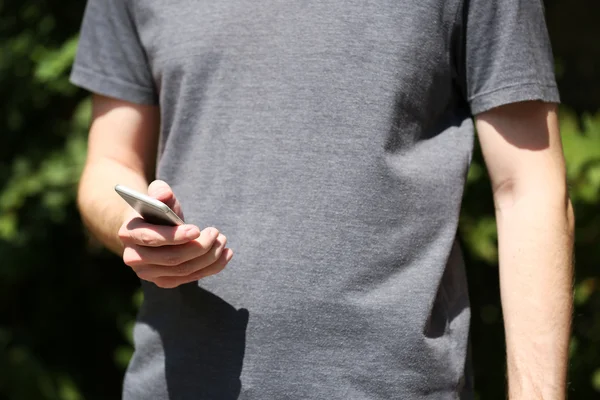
138,231
215,268
136,255
161,191
153,271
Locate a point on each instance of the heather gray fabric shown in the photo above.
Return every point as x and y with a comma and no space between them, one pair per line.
329,140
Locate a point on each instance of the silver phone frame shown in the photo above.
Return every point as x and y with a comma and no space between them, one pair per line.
152,210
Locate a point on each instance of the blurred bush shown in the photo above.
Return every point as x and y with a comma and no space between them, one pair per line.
67,307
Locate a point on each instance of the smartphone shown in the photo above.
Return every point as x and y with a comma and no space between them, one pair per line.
152,210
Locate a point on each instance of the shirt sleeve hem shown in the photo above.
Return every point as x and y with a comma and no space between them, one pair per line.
111,87
513,94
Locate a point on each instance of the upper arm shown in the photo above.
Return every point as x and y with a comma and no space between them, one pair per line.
124,132
111,62
522,149
505,70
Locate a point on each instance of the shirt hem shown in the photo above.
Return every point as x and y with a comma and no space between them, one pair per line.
526,91
112,87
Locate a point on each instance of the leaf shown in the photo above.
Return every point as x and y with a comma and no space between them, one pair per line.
481,237
122,356
584,290
596,380
582,154
67,390
55,63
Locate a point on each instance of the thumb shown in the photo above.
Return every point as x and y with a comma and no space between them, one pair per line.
161,191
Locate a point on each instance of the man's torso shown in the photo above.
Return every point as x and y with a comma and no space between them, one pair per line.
328,141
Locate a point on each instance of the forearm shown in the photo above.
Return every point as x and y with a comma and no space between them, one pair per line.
535,243
102,210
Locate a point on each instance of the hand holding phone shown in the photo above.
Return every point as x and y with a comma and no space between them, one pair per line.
152,210
160,247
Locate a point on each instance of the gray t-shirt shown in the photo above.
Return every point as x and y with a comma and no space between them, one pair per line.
330,141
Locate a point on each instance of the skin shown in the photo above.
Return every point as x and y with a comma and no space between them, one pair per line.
522,149
122,149
523,153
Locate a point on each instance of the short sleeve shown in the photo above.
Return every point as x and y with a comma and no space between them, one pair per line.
505,53
110,59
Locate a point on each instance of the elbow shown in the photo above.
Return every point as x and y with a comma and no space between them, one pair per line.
546,202
540,192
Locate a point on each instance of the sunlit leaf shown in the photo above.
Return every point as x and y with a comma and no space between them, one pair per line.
67,389
54,63
122,356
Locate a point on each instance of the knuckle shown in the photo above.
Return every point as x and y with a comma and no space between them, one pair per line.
222,263
196,276
144,273
220,268
144,276
172,259
204,251
182,269
212,231
163,283
209,240
131,257
203,248
213,271
146,238
124,234
171,284
219,251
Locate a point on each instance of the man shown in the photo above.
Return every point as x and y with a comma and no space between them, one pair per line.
330,141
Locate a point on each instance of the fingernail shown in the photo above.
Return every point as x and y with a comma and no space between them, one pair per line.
211,231
192,233
229,255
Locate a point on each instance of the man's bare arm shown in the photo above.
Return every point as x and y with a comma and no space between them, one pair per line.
121,149
523,152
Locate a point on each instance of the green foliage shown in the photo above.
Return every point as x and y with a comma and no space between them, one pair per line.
67,308
582,149
55,172
60,300
581,141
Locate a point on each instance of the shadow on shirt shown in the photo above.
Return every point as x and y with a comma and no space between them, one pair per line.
203,339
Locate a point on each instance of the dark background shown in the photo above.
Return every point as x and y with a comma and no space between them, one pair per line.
67,306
